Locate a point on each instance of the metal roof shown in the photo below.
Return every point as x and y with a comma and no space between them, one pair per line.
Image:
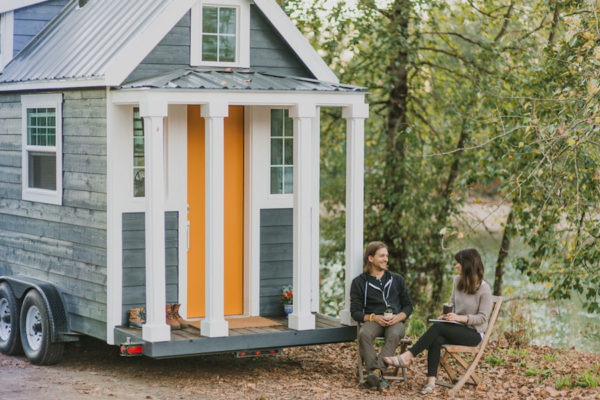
195,78
79,42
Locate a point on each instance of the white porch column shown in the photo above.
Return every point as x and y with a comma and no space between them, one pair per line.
315,234
355,116
155,329
214,324
302,318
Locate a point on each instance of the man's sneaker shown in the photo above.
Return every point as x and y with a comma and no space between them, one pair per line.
374,377
383,385
137,317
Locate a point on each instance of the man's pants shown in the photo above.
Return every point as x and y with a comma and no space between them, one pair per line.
368,332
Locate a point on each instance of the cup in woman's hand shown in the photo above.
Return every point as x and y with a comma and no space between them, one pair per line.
448,308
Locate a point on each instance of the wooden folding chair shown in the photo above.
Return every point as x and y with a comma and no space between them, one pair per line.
404,343
453,351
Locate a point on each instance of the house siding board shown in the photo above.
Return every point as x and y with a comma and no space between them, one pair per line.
29,21
64,245
268,51
134,256
276,247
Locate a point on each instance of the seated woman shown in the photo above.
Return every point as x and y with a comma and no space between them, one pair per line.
472,299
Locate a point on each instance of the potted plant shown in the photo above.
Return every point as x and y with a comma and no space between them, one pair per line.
287,299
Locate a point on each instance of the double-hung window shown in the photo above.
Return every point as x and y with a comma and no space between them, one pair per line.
42,148
282,152
220,33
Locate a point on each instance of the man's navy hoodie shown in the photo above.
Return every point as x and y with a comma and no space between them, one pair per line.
366,297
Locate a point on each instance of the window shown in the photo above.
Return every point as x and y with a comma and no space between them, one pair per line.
6,38
42,148
220,33
282,152
138,154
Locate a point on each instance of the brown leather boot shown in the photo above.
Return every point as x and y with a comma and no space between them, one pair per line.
171,320
179,318
137,317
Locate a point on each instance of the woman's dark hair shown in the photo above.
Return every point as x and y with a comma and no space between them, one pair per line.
370,252
471,274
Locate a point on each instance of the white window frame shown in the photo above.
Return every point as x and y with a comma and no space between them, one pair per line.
7,38
37,194
291,195
242,43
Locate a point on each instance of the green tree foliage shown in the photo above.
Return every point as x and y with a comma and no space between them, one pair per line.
462,94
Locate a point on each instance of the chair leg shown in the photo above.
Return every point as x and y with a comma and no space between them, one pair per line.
360,367
464,364
448,368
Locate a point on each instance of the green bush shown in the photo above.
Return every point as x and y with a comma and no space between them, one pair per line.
416,328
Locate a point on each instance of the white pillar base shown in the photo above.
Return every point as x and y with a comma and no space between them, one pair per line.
214,328
301,322
156,332
346,318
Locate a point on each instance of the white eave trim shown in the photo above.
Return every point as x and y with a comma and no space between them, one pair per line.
10,5
133,53
296,40
52,84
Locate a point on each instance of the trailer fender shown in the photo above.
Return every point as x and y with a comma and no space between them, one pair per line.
20,285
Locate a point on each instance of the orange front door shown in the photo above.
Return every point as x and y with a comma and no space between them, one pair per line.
234,212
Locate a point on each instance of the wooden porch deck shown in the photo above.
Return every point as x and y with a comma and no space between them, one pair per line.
188,342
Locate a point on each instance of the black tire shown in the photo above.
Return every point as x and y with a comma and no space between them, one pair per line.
36,334
10,341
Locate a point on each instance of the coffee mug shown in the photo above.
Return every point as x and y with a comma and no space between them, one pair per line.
448,308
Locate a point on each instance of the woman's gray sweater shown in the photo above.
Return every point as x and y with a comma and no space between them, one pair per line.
475,306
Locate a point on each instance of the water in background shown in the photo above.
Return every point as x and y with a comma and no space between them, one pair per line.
559,324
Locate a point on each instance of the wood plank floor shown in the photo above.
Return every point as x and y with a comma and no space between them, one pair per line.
322,322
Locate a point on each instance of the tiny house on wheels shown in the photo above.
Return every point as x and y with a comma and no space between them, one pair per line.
155,152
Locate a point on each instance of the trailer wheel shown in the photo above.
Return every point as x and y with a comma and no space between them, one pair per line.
36,331
10,342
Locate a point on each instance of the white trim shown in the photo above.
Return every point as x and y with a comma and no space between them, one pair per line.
242,42
296,40
7,33
10,5
214,324
155,329
54,84
355,148
315,164
302,318
146,39
53,100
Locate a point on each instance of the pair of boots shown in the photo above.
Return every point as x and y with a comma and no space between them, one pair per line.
174,320
137,317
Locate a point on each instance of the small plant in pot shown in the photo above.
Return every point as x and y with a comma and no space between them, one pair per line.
287,299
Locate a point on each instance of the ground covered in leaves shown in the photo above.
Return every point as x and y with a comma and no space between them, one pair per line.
95,371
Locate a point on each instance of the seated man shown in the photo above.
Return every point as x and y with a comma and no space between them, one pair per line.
372,293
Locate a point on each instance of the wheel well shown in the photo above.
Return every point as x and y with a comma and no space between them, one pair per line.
21,285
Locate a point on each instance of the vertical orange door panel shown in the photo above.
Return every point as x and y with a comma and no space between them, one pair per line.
234,212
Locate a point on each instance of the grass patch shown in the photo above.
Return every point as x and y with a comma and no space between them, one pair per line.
531,371
563,382
494,361
586,379
551,357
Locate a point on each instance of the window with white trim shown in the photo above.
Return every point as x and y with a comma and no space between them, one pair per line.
220,33
139,182
42,148
6,38
282,152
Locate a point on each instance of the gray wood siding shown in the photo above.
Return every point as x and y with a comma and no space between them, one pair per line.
64,245
134,260
29,21
268,51
276,241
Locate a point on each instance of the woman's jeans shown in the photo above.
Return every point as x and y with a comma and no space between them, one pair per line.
443,333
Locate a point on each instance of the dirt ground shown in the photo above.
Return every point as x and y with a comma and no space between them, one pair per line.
94,370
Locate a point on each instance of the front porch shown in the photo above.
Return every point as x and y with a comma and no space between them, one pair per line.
188,342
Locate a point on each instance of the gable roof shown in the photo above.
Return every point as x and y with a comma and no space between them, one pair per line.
101,43
11,5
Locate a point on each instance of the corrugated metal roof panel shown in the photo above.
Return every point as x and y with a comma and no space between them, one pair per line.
79,42
196,78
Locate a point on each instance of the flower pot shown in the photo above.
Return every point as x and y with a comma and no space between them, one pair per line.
288,308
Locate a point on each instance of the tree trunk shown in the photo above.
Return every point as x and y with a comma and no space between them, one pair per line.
504,247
